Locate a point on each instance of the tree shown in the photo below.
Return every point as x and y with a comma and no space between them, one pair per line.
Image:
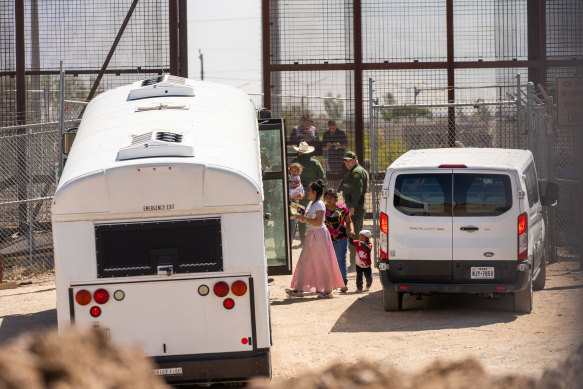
404,111
334,108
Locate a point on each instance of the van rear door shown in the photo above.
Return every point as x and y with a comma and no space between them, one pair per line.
485,217
420,226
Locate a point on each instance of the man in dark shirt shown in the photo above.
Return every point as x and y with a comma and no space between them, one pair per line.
334,144
306,132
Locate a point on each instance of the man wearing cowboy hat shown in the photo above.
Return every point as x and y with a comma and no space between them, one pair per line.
312,172
353,187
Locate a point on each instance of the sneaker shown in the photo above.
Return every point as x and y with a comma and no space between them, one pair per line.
344,289
358,290
294,293
325,295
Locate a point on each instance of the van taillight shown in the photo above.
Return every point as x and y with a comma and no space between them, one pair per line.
384,238
221,289
522,236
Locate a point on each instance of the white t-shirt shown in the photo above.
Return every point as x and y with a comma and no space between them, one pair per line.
311,214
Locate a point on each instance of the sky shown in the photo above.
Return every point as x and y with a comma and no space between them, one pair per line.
228,34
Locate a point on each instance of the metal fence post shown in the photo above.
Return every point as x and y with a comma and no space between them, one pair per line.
518,110
531,132
61,119
373,164
30,196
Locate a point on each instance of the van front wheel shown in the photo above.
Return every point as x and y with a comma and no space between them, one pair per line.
392,301
523,300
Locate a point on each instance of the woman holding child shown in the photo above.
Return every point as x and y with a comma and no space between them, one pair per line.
317,268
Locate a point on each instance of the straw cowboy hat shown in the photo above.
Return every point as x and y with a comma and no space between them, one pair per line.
304,148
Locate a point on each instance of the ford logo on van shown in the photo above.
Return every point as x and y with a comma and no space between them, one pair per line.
488,254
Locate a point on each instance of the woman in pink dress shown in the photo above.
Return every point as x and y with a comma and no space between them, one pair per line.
317,269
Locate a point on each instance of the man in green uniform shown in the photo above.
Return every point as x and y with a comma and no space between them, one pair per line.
353,187
312,172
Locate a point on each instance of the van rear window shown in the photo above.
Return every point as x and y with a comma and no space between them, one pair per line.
423,194
189,246
473,194
481,194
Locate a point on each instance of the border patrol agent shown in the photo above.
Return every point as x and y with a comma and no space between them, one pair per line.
353,187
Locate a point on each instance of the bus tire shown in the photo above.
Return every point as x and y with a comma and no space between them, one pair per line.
392,301
523,299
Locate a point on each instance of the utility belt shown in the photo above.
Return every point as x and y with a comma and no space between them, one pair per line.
360,201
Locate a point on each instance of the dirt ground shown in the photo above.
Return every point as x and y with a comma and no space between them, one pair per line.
311,334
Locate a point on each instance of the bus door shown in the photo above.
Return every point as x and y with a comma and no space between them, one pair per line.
275,203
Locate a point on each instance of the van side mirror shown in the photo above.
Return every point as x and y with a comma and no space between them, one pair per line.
550,194
67,141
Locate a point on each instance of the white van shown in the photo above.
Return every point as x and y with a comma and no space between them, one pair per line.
462,220
158,226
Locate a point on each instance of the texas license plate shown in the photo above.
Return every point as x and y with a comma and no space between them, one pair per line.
170,371
482,273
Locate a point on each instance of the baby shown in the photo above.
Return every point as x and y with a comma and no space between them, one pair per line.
295,186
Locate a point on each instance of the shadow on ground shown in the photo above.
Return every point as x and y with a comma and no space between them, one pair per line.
436,312
15,325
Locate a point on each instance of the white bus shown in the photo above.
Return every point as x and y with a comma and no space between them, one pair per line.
158,226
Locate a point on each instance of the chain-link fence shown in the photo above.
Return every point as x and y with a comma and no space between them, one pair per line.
523,121
29,172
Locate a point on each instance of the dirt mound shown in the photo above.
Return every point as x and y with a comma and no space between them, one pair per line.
74,359
467,373
566,376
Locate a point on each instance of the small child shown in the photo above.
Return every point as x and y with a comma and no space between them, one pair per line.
363,259
294,182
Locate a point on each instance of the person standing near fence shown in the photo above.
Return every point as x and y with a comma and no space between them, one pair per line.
353,187
306,132
340,228
312,172
334,144
317,269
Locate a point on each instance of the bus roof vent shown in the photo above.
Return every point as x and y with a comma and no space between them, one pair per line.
156,143
164,85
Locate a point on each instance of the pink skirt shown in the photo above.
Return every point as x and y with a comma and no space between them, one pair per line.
317,269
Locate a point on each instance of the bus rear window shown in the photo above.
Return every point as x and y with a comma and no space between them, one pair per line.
189,246
481,194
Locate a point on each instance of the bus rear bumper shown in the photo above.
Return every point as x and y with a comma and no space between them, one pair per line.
214,368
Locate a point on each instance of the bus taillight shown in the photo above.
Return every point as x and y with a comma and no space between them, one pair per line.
221,289
101,296
229,303
95,311
83,297
239,288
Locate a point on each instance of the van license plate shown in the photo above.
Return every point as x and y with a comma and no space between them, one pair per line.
170,371
482,273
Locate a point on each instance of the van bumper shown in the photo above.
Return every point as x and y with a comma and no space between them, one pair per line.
216,368
523,277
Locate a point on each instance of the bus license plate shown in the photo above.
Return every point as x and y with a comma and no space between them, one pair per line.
482,273
170,371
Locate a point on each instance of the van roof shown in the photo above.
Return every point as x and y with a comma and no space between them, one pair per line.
219,122
476,158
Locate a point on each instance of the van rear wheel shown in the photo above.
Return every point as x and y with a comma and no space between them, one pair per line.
392,301
539,283
523,299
